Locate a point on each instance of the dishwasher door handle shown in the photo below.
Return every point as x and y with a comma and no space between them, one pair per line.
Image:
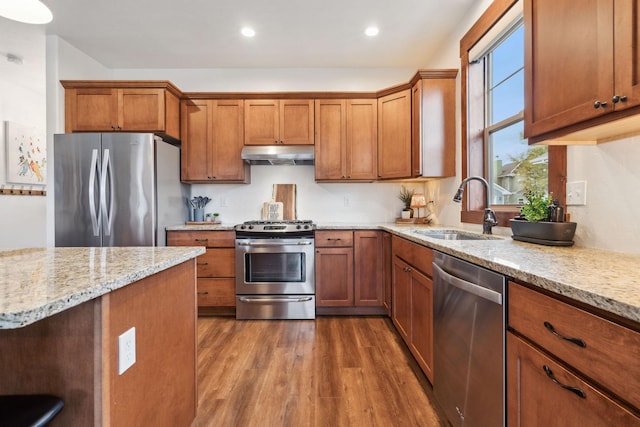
472,288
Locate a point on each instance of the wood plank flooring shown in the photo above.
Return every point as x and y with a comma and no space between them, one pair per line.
334,371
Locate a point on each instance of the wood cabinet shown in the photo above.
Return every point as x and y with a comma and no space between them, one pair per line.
433,124
349,271
126,106
388,271
279,121
216,268
394,135
567,366
212,140
412,299
600,44
346,139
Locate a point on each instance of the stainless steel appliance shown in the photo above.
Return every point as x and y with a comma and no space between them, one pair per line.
469,342
275,270
115,189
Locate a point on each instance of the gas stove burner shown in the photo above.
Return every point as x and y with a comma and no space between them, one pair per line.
276,227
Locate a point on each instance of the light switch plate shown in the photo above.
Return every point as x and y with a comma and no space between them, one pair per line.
126,350
577,193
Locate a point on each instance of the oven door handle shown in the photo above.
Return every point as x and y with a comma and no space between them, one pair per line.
274,299
300,243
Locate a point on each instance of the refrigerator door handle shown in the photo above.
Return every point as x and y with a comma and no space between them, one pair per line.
107,211
95,170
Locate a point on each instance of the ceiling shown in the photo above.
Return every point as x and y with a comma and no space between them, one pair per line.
289,33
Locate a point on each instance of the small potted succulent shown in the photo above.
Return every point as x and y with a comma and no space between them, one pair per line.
405,195
533,224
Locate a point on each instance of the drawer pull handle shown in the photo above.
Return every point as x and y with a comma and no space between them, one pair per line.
203,263
332,238
201,240
576,341
203,293
575,390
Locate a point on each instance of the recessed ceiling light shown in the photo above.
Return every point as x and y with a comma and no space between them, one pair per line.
248,32
372,31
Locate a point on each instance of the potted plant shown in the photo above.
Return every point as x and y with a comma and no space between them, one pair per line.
405,195
533,224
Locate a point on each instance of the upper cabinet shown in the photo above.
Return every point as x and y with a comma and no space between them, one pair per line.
346,139
212,139
127,106
433,124
582,70
394,135
278,121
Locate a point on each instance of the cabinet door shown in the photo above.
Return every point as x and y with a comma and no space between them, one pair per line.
368,268
394,135
537,397
227,142
91,110
141,110
330,140
296,121
334,277
362,139
422,321
401,299
261,122
627,52
196,156
568,62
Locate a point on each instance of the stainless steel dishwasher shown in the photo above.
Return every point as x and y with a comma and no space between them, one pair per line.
469,342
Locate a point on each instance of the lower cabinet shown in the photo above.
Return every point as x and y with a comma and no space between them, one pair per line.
349,272
567,366
412,299
216,268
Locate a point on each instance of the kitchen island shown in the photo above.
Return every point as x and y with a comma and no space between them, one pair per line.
62,311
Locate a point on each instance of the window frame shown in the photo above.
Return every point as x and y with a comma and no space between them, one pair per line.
474,146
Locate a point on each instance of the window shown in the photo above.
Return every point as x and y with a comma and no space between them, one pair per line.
493,146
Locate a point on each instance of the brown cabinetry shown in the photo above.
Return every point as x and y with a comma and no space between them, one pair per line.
394,135
212,140
126,106
433,124
346,139
566,366
278,121
600,46
412,299
215,269
349,271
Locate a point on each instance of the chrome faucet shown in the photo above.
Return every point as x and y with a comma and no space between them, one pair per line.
489,219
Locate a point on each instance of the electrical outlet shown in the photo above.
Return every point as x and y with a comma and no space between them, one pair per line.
223,202
126,350
577,193
347,200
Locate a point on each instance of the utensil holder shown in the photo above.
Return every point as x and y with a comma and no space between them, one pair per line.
198,214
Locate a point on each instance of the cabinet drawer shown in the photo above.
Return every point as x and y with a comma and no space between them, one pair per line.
610,354
334,238
534,399
217,263
414,254
216,292
210,239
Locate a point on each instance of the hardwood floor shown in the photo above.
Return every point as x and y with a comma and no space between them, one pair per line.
334,371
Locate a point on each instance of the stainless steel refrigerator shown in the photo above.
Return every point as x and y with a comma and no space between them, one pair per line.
116,189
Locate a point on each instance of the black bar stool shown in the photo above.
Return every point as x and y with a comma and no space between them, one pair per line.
28,410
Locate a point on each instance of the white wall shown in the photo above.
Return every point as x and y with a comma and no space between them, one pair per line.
22,100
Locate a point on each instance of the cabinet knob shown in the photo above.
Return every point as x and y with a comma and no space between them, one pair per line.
618,98
599,104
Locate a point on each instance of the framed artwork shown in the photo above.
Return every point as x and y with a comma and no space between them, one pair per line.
26,154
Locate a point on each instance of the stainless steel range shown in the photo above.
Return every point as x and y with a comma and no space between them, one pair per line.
275,276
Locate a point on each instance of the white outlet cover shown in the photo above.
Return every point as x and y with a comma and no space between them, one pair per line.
577,193
126,350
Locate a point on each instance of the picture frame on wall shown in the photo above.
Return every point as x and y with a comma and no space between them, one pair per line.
26,154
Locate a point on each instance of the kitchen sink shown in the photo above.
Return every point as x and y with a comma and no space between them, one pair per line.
455,235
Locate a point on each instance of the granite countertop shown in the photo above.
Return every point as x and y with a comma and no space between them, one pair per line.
39,282
603,279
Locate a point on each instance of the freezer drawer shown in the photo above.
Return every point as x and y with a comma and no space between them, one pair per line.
275,307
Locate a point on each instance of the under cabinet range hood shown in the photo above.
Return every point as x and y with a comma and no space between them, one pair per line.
278,154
